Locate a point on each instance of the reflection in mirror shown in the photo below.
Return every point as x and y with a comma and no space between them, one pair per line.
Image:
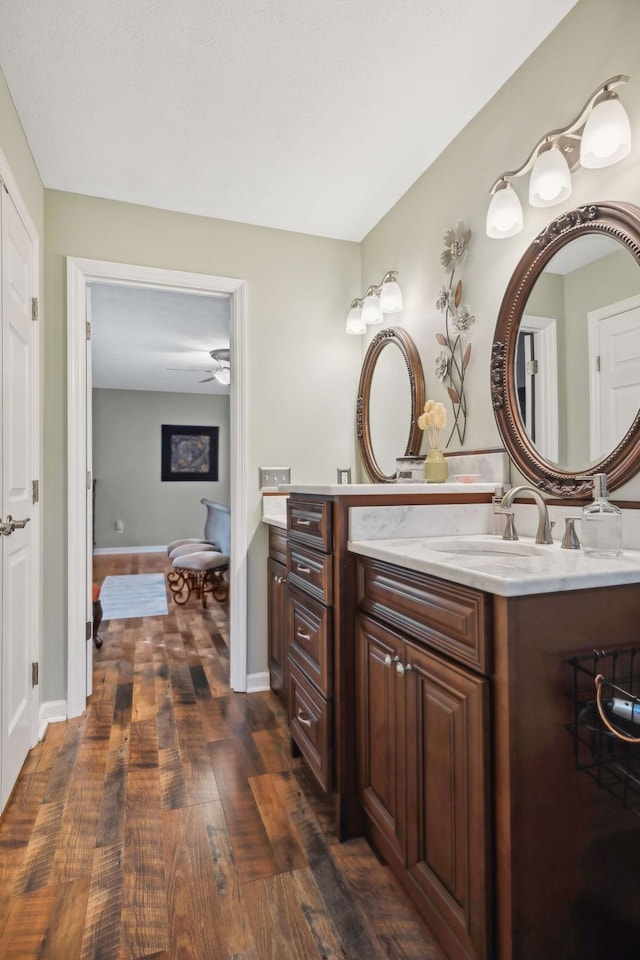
389,408
578,383
390,391
565,359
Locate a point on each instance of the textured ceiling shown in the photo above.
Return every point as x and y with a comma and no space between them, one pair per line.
309,115
144,339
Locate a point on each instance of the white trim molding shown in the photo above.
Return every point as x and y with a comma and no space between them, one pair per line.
257,682
51,711
81,272
103,551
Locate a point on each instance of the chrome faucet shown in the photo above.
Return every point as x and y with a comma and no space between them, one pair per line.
543,534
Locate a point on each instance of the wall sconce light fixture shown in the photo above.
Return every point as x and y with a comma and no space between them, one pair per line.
599,136
386,297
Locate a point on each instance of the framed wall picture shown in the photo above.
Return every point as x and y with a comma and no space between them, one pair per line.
189,453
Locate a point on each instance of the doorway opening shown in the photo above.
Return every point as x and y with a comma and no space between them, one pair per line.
83,275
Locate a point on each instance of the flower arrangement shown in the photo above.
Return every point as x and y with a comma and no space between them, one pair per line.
451,363
433,420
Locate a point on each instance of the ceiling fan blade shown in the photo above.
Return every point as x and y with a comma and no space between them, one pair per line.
191,369
208,380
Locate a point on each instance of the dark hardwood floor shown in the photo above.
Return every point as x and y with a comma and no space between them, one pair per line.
170,822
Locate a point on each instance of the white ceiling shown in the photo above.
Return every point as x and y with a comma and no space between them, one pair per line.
308,115
138,334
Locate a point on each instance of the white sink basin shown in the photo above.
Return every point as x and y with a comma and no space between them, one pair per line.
485,547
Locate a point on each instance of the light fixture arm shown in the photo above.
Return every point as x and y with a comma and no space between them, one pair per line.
570,131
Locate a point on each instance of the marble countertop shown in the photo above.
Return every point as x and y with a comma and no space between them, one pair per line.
392,489
550,570
274,521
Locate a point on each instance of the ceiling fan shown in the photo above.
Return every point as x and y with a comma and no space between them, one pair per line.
221,372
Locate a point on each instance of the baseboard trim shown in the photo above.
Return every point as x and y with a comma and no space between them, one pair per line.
104,550
257,682
51,711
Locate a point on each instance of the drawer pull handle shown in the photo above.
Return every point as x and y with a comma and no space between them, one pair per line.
303,636
301,718
401,669
389,660
302,569
303,523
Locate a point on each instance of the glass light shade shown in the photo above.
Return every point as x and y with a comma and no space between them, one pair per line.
223,375
391,297
371,312
550,180
355,323
607,135
504,216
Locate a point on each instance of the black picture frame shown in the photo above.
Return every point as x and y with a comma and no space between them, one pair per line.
189,453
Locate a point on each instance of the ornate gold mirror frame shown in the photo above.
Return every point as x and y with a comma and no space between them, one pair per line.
621,221
401,339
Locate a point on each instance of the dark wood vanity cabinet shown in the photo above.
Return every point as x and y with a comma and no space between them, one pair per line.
276,604
423,736
321,637
310,633
466,769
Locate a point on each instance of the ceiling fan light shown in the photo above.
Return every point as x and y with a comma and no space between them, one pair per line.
504,216
223,375
390,295
550,180
606,138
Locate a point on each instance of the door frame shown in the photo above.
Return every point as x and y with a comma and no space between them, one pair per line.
81,272
37,436
594,318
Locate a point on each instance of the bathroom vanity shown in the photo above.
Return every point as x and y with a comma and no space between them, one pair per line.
317,642
466,771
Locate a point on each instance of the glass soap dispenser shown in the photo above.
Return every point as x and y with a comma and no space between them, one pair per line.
601,523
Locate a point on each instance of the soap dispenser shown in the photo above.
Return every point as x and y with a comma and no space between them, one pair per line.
601,523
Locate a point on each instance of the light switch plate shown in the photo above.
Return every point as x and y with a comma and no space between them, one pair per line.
271,476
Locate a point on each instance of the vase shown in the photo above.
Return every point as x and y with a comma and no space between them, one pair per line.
436,468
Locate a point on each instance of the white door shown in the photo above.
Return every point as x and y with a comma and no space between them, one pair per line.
17,452
615,359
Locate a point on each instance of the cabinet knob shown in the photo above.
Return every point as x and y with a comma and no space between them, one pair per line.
278,578
388,660
303,719
402,668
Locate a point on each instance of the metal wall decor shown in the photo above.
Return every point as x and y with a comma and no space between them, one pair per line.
453,359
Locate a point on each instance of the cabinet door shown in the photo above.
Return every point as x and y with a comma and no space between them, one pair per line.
277,625
448,828
381,736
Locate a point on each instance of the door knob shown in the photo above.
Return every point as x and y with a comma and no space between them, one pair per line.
9,525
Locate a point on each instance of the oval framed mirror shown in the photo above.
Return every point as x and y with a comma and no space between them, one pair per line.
391,393
564,394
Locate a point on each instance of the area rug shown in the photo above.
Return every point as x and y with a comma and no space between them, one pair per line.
133,595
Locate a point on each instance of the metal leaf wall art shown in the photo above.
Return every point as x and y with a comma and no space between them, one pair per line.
453,360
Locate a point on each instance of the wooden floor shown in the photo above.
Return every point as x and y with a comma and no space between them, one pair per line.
170,822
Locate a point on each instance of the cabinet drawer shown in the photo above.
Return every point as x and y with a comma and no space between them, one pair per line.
310,725
278,544
309,639
309,522
311,571
446,616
